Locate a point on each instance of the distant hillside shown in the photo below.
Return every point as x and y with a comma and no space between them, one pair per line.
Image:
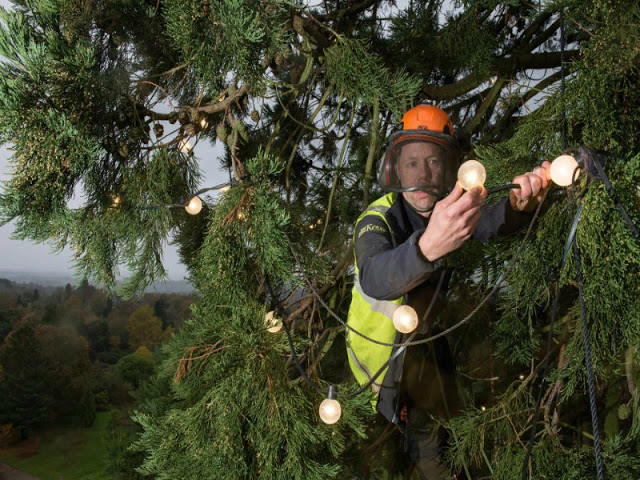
53,279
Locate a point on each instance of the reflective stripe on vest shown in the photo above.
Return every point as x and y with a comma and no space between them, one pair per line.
371,317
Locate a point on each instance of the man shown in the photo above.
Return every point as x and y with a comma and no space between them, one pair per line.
401,241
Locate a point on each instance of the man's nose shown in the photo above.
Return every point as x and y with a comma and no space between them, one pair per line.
424,172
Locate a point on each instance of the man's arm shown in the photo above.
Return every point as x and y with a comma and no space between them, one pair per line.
499,219
513,212
385,272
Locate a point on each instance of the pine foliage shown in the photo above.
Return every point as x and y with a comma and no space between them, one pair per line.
96,102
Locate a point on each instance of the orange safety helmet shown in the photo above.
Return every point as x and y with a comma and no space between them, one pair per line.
430,128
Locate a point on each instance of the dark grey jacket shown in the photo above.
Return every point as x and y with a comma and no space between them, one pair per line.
388,272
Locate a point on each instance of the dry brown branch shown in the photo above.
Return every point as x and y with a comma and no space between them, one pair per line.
551,425
200,352
236,212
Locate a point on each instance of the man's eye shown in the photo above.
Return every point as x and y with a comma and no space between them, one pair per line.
434,161
412,164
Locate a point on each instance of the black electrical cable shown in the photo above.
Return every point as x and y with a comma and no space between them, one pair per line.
402,348
435,193
562,75
371,381
215,187
554,312
457,325
499,188
587,359
612,193
182,205
417,188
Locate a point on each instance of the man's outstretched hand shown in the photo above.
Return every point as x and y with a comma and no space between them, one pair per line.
533,186
452,222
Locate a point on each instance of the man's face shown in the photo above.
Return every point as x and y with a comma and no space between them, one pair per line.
421,164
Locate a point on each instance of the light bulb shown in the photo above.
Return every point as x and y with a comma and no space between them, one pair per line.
471,174
405,319
274,324
562,169
115,201
330,410
521,377
203,123
483,408
194,206
185,146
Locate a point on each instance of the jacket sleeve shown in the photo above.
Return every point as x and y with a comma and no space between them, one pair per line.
499,219
387,272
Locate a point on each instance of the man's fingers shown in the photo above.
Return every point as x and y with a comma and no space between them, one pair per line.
525,187
471,220
536,184
467,215
473,198
475,220
455,194
541,173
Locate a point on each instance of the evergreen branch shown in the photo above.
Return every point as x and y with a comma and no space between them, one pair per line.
534,27
516,104
629,359
307,27
351,9
502,66
373,150
485,107
311,119
530,43
222,106
186,361
345,145
304,126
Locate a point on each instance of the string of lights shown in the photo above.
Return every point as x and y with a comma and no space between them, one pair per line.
330,409
405,315
195,203
472,173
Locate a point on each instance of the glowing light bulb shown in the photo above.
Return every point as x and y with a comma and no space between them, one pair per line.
115,201
521,377
226,188
330,410
194,206
483,408
274,324
405,319
185,146
203,123
471,174
562,169
312,226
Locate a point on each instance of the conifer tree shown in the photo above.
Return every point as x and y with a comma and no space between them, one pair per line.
103,98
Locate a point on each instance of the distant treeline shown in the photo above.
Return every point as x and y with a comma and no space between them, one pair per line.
66,352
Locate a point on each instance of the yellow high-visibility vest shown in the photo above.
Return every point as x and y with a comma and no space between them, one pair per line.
371,317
